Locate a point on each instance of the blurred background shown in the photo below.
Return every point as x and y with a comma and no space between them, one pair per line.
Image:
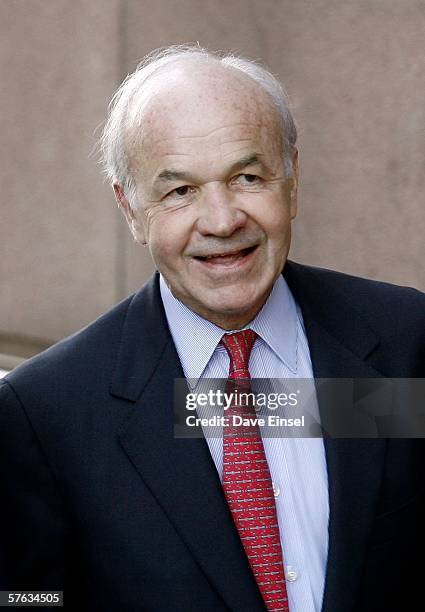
354,71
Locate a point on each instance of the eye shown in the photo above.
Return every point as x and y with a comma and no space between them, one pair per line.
182,191
247,179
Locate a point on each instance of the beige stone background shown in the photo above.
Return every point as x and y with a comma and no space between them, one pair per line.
355,74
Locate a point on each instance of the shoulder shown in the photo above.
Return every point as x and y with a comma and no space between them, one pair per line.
373,299
352,309
87,355
66,389
82,366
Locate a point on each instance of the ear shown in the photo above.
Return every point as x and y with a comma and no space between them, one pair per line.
293,194
131,216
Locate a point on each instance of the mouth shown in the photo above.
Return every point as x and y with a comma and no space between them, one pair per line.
227,258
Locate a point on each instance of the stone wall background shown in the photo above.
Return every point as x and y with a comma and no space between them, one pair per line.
355,74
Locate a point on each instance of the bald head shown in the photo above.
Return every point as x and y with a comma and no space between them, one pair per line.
203,81
196,97
175,87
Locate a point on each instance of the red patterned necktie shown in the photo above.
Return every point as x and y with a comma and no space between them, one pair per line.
247,483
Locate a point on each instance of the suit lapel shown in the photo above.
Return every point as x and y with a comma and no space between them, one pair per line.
354,475
339,344
180,473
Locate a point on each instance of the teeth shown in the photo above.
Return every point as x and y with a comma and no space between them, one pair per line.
224,255
234,254
229,256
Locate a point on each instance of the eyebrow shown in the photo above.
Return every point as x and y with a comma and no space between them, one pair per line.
166,176
171,175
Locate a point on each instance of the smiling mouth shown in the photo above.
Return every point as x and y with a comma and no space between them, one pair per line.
226,258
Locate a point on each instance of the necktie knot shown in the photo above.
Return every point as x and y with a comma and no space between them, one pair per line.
238,347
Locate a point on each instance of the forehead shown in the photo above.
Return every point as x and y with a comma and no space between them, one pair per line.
208,108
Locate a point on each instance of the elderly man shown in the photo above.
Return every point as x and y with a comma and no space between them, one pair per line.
100,500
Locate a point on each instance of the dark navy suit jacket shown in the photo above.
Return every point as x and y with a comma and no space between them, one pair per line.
98,499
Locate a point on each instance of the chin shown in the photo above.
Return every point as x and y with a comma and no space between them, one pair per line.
232,314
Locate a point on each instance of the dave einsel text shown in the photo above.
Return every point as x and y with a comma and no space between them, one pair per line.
240,398
238,421
272,420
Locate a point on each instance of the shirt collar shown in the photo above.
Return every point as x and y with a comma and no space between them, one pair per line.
276,324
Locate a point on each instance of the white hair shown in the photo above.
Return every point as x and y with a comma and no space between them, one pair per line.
125,111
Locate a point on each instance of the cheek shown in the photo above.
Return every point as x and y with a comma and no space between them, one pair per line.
167,240
275,219
161,248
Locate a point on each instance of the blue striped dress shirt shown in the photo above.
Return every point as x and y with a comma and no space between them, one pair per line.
297,465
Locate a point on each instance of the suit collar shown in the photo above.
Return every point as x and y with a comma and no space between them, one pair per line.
327,309
328,316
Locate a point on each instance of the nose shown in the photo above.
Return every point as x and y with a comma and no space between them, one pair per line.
219,212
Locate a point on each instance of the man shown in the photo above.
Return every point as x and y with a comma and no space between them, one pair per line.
99,499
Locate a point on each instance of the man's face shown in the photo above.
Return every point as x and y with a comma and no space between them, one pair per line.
216,208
